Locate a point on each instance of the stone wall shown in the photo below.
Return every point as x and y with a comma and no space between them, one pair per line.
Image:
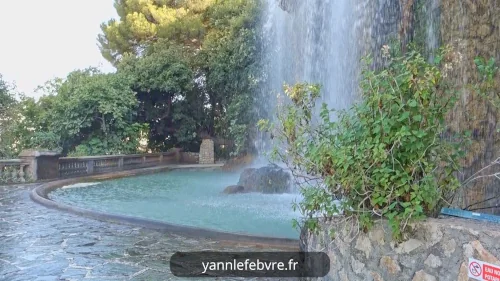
190,157
437,249
207,154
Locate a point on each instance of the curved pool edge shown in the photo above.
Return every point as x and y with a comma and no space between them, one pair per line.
40,195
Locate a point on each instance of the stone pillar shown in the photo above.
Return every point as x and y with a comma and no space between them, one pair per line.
90,167
178,155
42,165
120,163
207,154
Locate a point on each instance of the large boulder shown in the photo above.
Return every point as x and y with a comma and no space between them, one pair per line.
267,179
232,189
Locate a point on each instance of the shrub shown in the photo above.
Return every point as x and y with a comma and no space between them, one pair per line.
385,157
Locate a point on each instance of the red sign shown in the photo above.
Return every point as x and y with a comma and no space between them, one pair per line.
491,272
483,271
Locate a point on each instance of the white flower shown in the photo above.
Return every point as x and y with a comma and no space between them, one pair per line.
386,51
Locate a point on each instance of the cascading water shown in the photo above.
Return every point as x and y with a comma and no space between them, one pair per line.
432,35
321,42
315,43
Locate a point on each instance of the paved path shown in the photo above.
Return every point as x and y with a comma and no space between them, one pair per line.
37,243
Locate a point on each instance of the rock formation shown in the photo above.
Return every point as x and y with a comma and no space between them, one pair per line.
268,179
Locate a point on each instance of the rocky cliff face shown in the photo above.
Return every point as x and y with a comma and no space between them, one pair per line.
473,29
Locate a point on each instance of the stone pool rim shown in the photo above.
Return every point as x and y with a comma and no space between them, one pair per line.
40,195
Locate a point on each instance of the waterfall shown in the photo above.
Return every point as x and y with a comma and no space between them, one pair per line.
432,34
321,42
315,43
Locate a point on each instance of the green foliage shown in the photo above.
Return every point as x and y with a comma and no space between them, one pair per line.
7,102
9,174
185,69
96,110
163,81
87,109
7,98
487,71
486,86
18,120
44,140
142,23
160,70
232,67
382,158
194,65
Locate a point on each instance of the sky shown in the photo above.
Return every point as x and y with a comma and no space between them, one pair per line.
45,39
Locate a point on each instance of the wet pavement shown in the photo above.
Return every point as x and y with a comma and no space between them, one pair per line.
37,243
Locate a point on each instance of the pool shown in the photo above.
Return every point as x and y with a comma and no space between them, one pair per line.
188,197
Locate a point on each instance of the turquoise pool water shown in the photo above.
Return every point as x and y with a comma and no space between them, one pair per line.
190,198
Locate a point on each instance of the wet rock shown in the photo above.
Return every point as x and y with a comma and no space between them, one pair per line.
484,30
357,266
468,251
390,265
463,274
247,177
432,234
433,261
449,247
267,179
378,236
376,276
232,189
423,276
484,255
408,246
343,275
363,244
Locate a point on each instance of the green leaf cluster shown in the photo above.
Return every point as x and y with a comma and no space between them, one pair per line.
7,118
184,69
487,70
386,157
88,109
194,65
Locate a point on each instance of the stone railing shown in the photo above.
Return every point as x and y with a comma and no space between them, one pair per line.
34,165
13,171
190,157
81,166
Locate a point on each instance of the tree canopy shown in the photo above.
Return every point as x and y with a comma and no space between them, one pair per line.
185,70
189,56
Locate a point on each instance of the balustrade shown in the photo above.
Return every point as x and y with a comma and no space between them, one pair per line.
34,166
13,171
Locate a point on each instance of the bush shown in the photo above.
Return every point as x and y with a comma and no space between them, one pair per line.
385,157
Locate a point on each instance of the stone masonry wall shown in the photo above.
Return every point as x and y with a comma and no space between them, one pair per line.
207,154
190,158
437,249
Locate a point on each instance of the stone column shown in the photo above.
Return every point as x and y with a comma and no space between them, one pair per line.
207,154
178,155
42,165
